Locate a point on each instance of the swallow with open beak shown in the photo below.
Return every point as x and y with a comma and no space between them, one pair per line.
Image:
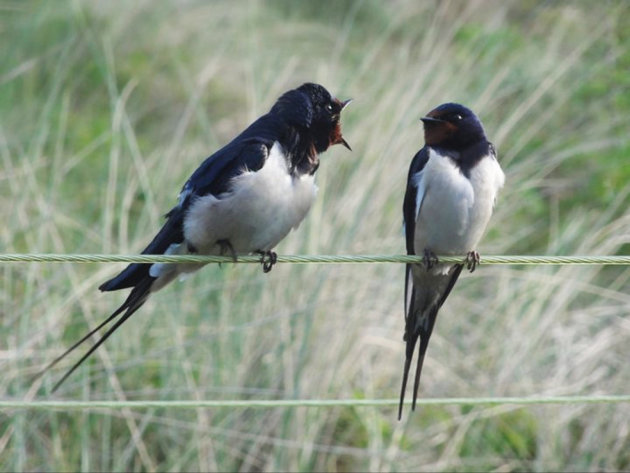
243,199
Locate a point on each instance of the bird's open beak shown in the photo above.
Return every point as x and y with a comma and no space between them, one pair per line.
340,139
345,143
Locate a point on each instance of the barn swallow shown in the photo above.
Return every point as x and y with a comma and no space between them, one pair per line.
245,198
452,187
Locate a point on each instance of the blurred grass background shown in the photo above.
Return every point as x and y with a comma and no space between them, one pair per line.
107,107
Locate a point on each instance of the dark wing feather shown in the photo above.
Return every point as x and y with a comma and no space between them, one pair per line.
247,151
409,213
171,232
409,204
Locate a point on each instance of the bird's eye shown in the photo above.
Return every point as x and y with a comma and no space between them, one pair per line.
329,107
457,116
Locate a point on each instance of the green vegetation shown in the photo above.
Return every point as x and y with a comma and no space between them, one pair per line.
107,107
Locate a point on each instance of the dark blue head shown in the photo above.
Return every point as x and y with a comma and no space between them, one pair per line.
452,126
312,109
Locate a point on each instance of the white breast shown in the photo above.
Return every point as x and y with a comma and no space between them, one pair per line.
454,210
260,210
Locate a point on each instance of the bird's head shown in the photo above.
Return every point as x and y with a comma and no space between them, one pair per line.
311,108
452,126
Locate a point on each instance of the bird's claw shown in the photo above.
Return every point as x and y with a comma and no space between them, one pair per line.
226,247
472,260
429,259
267,259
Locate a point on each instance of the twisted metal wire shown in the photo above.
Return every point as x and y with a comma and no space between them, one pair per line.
273,403
300,259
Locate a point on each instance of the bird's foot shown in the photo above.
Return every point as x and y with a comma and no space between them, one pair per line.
472,260
429,259
226,247
267,259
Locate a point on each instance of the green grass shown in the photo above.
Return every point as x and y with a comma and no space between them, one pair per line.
106,109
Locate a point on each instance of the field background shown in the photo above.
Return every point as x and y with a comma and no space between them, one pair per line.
107,107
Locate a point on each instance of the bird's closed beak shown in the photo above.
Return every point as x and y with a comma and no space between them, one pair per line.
431,120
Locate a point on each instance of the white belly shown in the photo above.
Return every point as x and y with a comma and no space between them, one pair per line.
261,209
455,210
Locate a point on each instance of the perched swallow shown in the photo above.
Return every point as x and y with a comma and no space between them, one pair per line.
452,187
243,199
